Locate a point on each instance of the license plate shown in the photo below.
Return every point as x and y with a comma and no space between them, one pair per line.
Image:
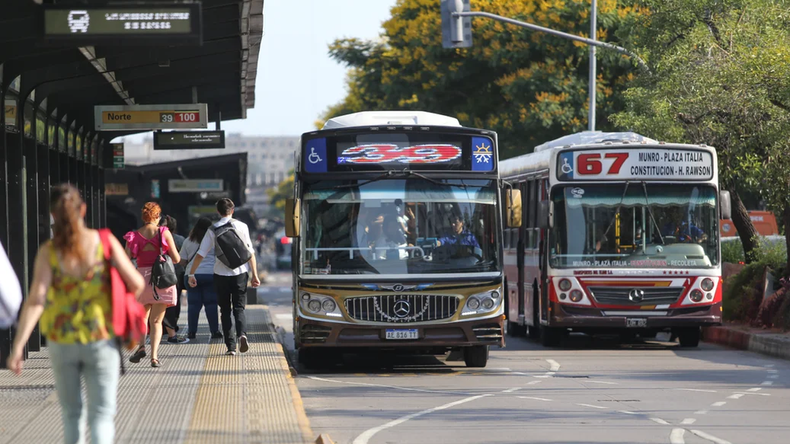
636,322
402,334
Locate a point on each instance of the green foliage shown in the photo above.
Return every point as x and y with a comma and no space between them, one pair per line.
732,252
528,86
743,293
284,190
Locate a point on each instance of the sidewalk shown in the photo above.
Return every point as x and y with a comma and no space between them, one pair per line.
199,395
768,342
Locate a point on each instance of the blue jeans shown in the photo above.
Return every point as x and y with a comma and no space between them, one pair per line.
201,296
100,364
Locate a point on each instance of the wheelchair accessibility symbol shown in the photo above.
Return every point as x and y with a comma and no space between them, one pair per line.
566,167
314,157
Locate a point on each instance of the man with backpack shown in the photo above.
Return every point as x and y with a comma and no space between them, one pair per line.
233,249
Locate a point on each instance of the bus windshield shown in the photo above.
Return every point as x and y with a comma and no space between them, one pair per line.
399,226
634,225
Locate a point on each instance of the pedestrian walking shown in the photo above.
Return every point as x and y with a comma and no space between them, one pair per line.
235,262
172,314
71,295
146,245
204,294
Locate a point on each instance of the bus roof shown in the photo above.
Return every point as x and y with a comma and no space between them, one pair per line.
379,118
594,137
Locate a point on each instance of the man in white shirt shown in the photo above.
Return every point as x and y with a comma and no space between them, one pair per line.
230,284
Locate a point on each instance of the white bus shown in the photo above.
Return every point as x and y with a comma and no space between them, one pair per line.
620,235
397,237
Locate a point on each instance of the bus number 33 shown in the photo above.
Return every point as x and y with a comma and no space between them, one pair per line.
591,164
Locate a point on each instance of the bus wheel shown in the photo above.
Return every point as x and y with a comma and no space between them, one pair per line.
533,331
550,337
476,356
513,329
689,337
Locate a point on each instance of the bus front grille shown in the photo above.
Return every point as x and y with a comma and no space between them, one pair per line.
402,308
636,295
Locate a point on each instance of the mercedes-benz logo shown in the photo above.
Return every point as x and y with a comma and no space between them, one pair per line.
636,295
402,308
397,287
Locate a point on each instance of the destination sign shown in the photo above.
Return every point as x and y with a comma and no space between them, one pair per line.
123,24
637,164
189,140
399,150
151,117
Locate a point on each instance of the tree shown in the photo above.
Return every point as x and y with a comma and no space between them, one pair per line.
528,86
284,190
720,77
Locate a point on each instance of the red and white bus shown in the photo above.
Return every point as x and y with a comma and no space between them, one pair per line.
620,234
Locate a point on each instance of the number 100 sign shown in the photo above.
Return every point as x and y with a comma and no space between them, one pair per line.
151,117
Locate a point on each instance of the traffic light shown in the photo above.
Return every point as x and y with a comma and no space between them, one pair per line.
456,32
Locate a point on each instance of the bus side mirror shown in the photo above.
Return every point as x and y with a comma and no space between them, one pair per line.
513,207
725,206
292,217
546,214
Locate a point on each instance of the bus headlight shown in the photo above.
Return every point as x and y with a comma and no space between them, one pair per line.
328,305
473,303
565,284
696,295
314,305
576,295
707,284
488,303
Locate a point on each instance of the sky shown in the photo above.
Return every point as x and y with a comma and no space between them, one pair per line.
296,79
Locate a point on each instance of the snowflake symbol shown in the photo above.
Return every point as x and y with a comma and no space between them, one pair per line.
482,158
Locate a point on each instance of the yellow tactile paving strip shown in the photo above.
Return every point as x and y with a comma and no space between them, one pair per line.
248,398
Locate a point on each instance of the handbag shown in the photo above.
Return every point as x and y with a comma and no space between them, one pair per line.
128,315
163,271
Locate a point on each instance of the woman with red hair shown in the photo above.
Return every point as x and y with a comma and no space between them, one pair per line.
71,294
144,245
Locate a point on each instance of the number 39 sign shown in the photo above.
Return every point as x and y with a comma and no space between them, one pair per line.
639,164
388,153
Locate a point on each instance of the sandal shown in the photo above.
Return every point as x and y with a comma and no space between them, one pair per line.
155,363
138,355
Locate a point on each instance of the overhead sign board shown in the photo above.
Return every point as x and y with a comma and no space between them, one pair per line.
116,189
637,164
117,155
189,140
123,24
195,185
150,117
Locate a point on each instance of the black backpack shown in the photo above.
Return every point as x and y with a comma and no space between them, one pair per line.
163,272
228,246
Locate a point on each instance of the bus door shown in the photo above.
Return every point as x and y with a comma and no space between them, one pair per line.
541,194
520,250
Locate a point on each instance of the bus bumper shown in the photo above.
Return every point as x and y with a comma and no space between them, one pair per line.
563,315
313,333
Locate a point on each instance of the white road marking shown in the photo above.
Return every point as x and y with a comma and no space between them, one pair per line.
542,376
601,382
511,390
676,437
701,412
534,382
688,421
408,389
736,396
754,393
769,365
718,404
627,412
659,421
536,399
755,389
592,406
698,390
767,383
555,366
284,316
773,371
773,376
704,435
365,437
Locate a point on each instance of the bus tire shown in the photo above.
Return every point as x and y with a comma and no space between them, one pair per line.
515,330
476,356
550,337
689,337
533,331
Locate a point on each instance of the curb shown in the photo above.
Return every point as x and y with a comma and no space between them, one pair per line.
765,344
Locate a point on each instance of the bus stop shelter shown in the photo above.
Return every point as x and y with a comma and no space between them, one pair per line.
49,90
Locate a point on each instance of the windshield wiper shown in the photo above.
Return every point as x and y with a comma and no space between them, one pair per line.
389,173
650,212
410,173
617,211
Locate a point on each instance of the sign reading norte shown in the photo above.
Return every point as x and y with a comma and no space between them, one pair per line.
642,164
151,117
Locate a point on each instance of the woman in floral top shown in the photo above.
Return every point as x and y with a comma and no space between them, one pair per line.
71,295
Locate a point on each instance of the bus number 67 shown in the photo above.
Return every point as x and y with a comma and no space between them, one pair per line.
591,164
